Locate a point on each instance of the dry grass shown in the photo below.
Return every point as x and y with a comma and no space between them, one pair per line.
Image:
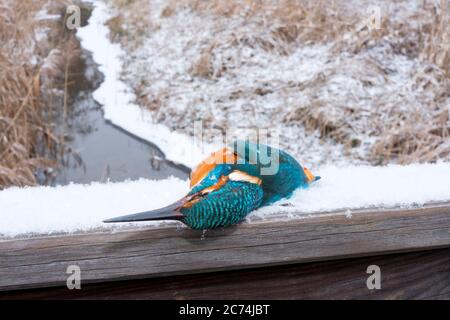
310,22
292,19
31,67
130,34
420,133
406,137
280,25
437,43
394,126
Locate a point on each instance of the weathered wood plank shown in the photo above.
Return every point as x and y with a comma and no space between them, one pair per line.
142,253
418,275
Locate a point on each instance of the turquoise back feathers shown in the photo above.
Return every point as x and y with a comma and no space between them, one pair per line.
226,206
283,174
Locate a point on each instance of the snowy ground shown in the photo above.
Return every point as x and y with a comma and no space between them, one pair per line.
118,99
258,89
346,97
74,208
334,96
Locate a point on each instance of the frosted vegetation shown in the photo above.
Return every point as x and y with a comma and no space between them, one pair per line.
340,93
33,53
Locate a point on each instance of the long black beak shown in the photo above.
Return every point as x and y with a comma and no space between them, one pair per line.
167,213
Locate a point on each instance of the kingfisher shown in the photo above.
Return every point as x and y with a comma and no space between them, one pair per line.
231,183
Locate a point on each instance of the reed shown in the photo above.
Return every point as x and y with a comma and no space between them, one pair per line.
33,50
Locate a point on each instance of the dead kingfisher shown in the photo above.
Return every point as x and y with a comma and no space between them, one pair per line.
231,183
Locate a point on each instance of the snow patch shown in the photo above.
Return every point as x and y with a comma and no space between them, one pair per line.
76,207
232,72
118,99
355,187
83,207
44,15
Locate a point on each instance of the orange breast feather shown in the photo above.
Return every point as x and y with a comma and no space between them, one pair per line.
224,155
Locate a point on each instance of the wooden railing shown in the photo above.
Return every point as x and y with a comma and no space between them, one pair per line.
155,252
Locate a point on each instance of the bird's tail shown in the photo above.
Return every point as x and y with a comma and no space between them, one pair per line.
309,176
167,213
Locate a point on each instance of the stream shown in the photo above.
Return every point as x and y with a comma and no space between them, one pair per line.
95,149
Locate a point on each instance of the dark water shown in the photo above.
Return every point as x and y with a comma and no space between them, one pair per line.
96,150
108,153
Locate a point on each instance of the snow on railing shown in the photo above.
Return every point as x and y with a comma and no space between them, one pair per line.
72,208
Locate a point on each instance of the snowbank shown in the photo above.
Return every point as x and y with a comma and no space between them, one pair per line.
354,187
118,99
83,207
358,97
46,210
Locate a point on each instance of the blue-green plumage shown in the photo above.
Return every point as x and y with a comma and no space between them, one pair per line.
212,177
287,174
228,191
225,206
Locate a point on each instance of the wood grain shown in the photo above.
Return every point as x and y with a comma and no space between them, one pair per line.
144,253
418,275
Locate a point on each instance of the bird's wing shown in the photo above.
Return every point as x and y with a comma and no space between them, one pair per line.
237,195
